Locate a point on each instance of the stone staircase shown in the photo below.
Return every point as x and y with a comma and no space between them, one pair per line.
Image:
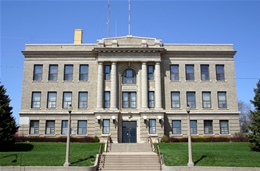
129,157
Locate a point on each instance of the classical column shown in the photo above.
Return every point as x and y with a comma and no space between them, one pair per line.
113,87
100,86
158,88
144,86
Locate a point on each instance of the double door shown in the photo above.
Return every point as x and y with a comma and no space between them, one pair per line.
129,131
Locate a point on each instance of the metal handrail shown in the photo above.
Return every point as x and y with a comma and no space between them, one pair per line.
159,155
108,143
151,142
99,156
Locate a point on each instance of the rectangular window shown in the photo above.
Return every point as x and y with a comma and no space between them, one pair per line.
176,127
64,127
206,100
189,72
83,100
37,72
107,99
68,72
53,72
129,100
67,99
222,100
191,100
51,100
107,72
82,127
175,98
224,127
34,127
50,127
36,100
204,72
193,127
220,74
174,70
83,72
208,129
151,99
150,72
152,126
106,126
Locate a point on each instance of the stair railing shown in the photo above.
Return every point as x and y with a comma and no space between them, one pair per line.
99,156
108,144
151,142
159,156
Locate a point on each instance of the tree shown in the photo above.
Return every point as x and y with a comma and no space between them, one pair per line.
245,116
254,137
8,126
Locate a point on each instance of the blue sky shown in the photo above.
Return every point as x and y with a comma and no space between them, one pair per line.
191,22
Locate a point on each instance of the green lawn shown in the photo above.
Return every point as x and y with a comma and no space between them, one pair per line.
230,154
49,154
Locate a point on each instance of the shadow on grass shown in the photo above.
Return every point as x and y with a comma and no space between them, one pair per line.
18,147
13,161
82,160
197,161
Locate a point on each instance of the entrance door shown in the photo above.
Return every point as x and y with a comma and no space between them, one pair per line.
129,132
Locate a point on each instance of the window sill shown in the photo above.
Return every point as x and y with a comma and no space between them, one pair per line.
105,135
153,135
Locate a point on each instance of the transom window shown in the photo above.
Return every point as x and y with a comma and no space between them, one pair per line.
129,77
129,100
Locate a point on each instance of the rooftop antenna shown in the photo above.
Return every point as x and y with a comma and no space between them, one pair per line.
108,19
129,17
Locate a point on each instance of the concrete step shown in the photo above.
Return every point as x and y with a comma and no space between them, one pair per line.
131,147
131,167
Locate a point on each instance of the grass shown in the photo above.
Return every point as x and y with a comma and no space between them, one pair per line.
49,154
229,154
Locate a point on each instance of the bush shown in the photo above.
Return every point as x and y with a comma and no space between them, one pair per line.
164,139
96,139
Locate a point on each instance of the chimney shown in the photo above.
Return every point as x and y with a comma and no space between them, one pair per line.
78,33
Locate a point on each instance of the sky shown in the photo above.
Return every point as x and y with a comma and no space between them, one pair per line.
177,22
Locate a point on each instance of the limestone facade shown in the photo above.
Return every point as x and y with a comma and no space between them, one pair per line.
126,87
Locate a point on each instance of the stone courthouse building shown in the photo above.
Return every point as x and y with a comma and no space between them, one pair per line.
129,88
